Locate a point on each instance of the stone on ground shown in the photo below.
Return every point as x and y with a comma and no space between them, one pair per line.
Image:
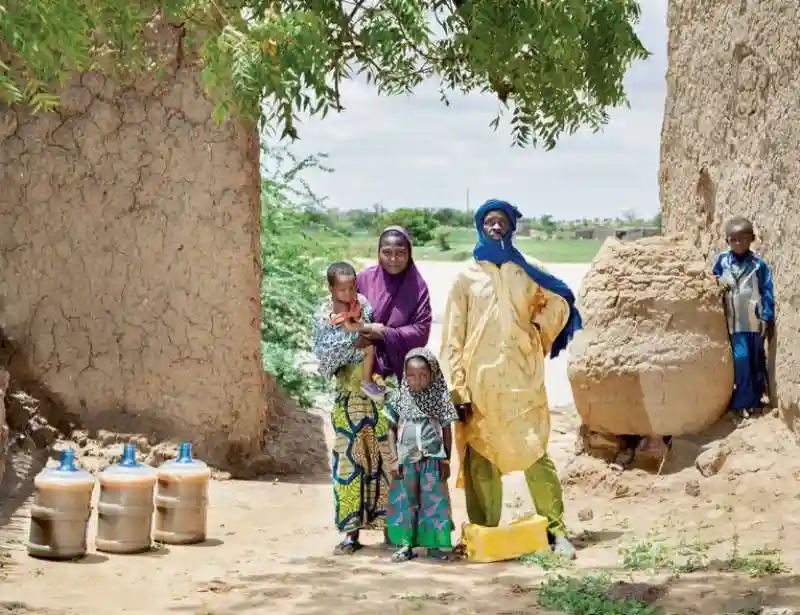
654,357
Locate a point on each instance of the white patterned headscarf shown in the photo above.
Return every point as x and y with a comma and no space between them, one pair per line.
433,402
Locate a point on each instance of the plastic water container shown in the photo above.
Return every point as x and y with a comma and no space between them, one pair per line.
182,499
61,509
125,508
506,542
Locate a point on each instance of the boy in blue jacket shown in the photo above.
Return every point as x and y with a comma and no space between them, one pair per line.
750,309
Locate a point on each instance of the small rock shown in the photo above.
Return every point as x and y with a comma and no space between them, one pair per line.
45,436
585,514
142,444
220,475
106,438
620,490
692,488
710,462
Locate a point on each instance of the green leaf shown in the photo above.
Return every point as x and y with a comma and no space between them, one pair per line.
556,66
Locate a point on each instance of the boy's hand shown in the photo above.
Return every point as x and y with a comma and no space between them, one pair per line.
725,284
767,329
351,326
444,469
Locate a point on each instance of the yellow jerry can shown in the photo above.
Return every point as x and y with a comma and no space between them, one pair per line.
505,542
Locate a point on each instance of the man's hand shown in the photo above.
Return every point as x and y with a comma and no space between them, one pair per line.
464,411
444,469
767,329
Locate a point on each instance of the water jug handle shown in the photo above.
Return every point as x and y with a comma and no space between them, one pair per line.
129,457
185,453
68,461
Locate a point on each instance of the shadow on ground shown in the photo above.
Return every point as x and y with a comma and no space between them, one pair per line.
368,584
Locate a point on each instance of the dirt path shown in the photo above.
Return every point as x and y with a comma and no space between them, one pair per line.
270,546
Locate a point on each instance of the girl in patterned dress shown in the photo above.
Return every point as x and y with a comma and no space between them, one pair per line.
420,415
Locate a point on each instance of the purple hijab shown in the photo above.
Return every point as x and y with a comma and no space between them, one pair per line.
400,303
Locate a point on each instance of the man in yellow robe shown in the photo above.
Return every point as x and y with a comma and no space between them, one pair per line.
505,314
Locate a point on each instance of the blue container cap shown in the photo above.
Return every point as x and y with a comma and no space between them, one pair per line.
67,461
184,464
184,453
128,467
129,457
66,472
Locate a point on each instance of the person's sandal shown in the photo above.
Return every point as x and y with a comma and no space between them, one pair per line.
347,547
439,555
405,554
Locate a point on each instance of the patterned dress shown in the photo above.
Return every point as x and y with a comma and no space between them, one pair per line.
419,503
359,475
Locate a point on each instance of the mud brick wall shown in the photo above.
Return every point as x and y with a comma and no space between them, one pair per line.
730,145
129,261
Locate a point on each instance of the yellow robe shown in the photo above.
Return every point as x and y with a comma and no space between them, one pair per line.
498,329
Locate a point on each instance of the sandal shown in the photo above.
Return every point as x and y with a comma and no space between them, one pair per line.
347,547
439,555
406,554
460,550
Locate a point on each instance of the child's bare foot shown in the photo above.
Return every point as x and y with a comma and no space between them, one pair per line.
373,391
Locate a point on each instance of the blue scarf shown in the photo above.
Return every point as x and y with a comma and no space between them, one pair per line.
503,251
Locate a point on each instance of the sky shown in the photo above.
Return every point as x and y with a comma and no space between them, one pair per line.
416,152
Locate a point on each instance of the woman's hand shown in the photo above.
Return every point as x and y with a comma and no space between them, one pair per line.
464,411
373,331
444,469
351,326
362,342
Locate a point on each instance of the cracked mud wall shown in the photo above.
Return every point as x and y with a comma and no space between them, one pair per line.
730,145
130,261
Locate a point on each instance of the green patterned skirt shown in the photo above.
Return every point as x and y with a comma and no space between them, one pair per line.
360,471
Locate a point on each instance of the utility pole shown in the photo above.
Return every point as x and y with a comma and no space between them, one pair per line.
468,211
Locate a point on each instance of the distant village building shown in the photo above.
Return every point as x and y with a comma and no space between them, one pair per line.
620,233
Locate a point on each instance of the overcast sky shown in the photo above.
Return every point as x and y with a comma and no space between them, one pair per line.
414,151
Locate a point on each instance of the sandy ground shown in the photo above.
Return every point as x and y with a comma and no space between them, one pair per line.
270,542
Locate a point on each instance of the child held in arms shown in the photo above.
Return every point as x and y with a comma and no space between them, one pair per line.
336,329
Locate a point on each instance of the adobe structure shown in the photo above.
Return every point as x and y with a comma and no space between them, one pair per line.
730,146
130,260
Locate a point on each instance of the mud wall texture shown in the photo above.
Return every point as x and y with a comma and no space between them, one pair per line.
129,261
730,145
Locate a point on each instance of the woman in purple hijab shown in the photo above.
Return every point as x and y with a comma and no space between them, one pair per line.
401,321
400,302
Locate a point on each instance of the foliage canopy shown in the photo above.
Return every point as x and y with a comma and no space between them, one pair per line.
555,65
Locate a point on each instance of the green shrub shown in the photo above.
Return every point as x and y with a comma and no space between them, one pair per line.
293,280
419,223
443,239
